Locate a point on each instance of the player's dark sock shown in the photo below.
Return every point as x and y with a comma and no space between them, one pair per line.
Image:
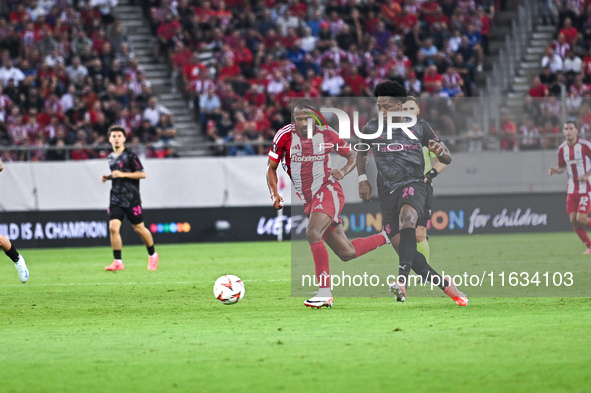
583,236
12,254
151,250
117,254
363,245
407,249
423,269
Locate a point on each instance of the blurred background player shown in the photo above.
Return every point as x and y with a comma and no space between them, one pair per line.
12,253
125,201
431,171
574,156
320,192
402,189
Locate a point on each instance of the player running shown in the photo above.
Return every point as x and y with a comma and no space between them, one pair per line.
126,172
402,189
308,164
574,156
431,171
12,253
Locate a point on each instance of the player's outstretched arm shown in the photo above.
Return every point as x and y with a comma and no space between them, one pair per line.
276,199
557,171
1,166
364,186
338,174
129,175
441,151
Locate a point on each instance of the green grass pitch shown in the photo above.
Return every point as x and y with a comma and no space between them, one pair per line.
76,328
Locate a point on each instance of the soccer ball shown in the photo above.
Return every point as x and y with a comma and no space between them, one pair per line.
228,289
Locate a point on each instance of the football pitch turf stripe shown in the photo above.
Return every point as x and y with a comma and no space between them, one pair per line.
98,284
75,329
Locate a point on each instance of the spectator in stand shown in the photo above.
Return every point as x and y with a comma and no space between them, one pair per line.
76,69
507,132
9,72
431,78
560,46
530,135
167,132
548,78
538,89
154,110
332,83
547,11
429,51
569,31
573,66
209,107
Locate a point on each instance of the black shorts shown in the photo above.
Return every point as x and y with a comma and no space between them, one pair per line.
410,194
428,205
133,214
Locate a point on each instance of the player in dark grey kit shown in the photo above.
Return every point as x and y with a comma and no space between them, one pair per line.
125,201
401,188
12,253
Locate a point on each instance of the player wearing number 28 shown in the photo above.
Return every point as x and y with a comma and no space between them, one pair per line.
125,201
574,157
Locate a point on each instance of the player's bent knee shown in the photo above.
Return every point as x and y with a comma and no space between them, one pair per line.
313,235
347,256
139,228
4,243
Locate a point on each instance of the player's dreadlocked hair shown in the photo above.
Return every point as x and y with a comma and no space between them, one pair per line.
305,103
117,128
389,89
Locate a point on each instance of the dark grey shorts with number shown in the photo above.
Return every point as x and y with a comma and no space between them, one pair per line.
413,194
133,214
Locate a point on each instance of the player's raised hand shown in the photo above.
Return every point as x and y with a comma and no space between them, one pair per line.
365,190
338,174
277,201
551,171
436,147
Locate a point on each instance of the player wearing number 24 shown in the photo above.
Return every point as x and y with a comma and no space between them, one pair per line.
574,156
125,201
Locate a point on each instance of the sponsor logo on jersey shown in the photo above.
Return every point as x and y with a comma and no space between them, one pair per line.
298,158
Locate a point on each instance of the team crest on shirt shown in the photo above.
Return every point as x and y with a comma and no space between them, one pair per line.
274,148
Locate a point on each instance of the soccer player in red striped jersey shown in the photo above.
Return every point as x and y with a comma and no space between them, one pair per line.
308,163
574,157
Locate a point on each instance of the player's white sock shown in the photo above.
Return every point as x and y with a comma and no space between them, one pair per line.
324,292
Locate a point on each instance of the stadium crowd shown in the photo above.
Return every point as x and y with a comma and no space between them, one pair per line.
68,70
566,66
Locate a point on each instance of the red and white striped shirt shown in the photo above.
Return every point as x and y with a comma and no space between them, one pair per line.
307,161
577,160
